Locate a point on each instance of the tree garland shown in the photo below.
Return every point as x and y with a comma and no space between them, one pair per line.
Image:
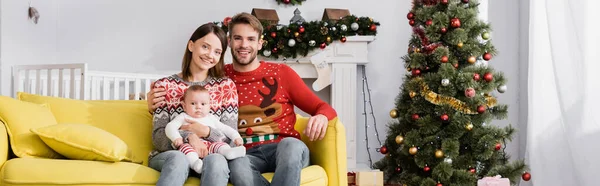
302,37
292,2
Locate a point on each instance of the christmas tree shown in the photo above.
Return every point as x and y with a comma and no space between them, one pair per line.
439,134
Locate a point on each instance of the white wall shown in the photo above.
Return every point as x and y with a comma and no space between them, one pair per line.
150,36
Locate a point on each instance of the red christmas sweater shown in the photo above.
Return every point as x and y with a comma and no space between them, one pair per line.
267,97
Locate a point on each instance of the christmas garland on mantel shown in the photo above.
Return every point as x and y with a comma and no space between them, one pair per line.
292,2
300,38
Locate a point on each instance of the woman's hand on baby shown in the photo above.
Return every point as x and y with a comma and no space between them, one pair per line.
238,142
178,142
196,128
198,145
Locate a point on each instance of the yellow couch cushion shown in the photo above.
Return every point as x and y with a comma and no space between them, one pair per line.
19,117
35,171
84,142
128,120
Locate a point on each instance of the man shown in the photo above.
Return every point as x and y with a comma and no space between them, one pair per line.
267,94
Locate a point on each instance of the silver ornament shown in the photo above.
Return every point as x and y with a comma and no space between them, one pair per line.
266,53
291,42
312,43
354,26
325,23
445,82
333,29
448,160
502,88
344,28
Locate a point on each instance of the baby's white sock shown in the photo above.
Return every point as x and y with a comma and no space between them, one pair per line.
232,152
195,162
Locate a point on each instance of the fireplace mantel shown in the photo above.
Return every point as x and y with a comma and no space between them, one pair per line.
342,60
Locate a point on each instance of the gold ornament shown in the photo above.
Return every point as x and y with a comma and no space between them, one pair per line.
460,44
417,50
456,104
412,150
472,59
265,43
296,34
328,39
394,113
399,139
408,69
439,153
262,36
469,127
412,94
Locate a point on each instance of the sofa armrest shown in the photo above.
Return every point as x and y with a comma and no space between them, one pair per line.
329,153
3,144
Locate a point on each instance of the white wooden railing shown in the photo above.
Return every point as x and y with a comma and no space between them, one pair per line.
76,82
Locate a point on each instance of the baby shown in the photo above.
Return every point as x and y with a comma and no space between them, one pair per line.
196,106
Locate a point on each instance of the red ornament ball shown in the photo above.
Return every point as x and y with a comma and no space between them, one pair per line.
443,30
498,146
323,45
455,65
455,22
416,72
444,2
343,39
383,150
286,1
301,29
444,59
487,56
273,34
526,176
488,77
481,109
445,117
476,77
428,22
470,92
411,22
472,170
426,168
398,169
415,117
439,184
373,27
274,50
226,21
410,15
249,131
465,1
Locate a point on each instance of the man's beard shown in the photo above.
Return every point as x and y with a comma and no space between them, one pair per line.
237,61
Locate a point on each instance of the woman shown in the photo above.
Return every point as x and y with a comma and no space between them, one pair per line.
202,64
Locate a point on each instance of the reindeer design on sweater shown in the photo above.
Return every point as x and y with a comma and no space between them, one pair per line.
259,120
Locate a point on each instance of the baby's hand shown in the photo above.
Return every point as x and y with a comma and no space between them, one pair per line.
238,142
178,142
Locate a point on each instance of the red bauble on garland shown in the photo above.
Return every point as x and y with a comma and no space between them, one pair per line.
273,34
301,29
439,184
455,22
443,30
411,22
487,56
416,72
526,176
415,117
398,169
465,1
383,150
226,21
343,39
481,109
488,77
426,168
476,77
472,170
444,2
498,146
286,1
373,27
445,117
410,15
444,59
428,22
323,45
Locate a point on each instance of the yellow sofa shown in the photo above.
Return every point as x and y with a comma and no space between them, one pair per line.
131,122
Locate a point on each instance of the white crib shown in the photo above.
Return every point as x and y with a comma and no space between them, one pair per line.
75,81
